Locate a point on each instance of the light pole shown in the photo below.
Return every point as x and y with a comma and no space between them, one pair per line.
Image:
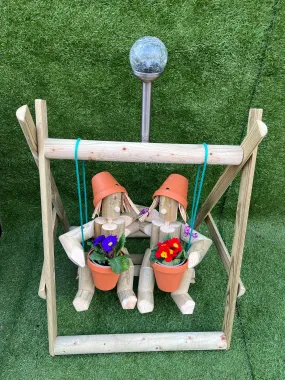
148,57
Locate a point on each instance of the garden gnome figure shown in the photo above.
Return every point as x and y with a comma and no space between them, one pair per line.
171,197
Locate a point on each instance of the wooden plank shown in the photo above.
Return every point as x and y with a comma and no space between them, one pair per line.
222,249
137,258
146,342
46,202
143,152
240,232
42,286
249,144
137,269
29,130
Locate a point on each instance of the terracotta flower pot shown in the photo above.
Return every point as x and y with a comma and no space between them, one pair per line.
104,184
175,187
103,276
168,278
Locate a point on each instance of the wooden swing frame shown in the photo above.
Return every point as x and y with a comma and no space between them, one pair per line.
237,158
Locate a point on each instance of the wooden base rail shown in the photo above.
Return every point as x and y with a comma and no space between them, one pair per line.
146,342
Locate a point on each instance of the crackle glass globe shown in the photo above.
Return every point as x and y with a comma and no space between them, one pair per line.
148,55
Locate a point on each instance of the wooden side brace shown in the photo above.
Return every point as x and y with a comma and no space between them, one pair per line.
256,131
29,130
246,182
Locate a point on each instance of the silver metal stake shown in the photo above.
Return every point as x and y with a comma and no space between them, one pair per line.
146,101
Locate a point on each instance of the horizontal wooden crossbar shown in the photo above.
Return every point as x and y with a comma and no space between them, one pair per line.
143,152
106,344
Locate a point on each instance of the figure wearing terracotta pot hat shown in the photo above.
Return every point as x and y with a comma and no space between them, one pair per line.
110,198
171,197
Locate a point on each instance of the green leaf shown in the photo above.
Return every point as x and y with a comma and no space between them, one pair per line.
119,264
180,255
168,237
120,244
99,257
152,257
176,261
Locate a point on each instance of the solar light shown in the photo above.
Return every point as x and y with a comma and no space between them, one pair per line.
148,58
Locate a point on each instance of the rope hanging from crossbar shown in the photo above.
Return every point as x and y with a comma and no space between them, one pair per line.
79,189
197,193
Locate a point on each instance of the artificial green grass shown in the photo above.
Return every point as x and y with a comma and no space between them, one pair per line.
224,57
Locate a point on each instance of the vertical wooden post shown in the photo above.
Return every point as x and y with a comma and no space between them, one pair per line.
42,287
240,231
46,202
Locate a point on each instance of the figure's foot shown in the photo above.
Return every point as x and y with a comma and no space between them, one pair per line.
128,299
145,302
184,302
82,300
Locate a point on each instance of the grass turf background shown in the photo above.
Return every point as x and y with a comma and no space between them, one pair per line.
224,57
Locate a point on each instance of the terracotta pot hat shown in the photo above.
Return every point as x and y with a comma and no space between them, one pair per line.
175,187
104,184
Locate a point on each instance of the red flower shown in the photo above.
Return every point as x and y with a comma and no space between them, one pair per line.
163,252
166,253
174,245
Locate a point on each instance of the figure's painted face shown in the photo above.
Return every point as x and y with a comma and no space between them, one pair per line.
111,205
168,208
116,202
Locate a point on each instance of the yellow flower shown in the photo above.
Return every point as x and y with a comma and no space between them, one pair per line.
175,245
164,254
171,251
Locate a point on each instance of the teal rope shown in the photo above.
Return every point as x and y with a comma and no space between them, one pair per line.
197,194
85,191
79,189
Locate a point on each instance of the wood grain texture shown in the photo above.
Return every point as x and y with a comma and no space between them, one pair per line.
46,203
85,291
125,291
155,230
146,285
42,287
168,208
29,130
111,206
240,231
143,152
181,297
147,342
222,249
249,144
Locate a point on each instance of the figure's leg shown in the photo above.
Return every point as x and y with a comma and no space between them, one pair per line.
86,289
146,286
181,297
125,291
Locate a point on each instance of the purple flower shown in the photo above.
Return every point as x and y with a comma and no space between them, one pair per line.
195,235
98,240
144,211
109,243
187,230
